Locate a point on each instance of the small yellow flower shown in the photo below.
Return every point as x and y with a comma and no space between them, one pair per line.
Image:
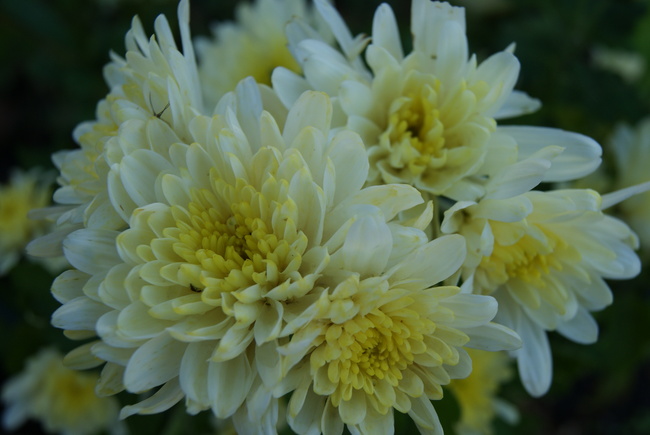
24,192
61,399
477,394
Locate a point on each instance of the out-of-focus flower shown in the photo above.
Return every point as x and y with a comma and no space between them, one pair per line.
629,65
543,256
61,399
630,152
253,45
477,394
24,191
154,83
429,118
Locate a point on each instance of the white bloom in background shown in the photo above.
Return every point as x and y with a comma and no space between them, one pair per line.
23,192
428,118
477,395
544,257
155,83
630,152
251,46
630,66
62,400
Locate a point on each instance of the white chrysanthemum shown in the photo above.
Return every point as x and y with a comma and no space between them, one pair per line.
252,46
386,338
62,400
428,118
477,394
23,192
155,83
232,245
630,149
543,256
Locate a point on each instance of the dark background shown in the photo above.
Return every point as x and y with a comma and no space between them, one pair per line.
52,54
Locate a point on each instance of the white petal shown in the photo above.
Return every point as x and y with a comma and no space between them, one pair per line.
154,363
452,52
493,337
194,371
471,310
69,285
580,157
425,416
353,411
366,248
518,103
534,358
522,176
500,71
614,198
385,32
433,262
229,383
581,329
79,314
139,172
350,162
288,85
313,109
81,358
166,397
91,251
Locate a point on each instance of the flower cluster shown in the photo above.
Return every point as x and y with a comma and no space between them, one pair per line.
336,223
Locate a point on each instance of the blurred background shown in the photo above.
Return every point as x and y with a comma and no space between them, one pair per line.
587,60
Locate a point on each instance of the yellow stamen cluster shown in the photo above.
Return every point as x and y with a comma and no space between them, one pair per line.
231,236
434,134
530,262
371,352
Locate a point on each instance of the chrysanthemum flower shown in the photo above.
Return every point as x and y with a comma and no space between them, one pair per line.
62,400
23,192
234,241
251,46
543,256
386,340
155,83
477,394
429,118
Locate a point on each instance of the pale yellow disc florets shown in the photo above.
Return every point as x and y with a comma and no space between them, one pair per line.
434,133
527,265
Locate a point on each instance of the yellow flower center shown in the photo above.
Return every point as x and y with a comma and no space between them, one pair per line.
16,200
369,350
231,238
526,268
417,128
435,133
